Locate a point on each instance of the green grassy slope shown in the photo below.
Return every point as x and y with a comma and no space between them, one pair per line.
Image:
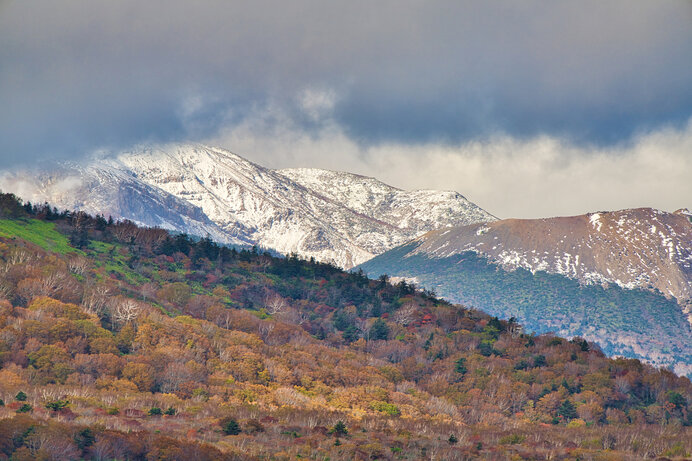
41,233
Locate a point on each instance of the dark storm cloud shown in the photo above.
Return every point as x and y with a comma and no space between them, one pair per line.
78,75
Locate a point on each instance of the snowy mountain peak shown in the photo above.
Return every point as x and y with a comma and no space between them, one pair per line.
332,216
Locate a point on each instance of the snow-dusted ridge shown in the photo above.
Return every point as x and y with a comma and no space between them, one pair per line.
332,216
635,248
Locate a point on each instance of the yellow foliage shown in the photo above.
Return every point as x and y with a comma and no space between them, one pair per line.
578,422
57,308
10,380
140,374
237,338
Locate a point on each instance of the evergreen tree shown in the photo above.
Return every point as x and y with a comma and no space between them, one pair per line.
230,427
84,438
339,428
350,334
567,410
379,330
460,366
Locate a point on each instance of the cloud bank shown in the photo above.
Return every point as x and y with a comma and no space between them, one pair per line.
469,95
538,177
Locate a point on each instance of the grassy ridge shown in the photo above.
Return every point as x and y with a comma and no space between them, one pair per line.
41,233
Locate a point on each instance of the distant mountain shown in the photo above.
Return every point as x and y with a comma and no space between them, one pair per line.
636,248
332,216
623,279
107,187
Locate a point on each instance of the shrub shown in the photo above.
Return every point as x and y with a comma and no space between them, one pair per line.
576,423
112,411
387,408
252,426
676,399
155,411
20,397
513,439
57,405
26,408
170,411
522,365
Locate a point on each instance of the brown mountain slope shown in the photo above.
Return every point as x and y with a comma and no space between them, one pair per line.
634,248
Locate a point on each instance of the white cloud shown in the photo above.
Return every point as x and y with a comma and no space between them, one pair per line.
317,104
508,177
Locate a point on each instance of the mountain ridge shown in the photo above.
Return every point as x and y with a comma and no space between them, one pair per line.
619,278
603,247
239,202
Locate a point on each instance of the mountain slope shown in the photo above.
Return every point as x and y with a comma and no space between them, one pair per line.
107,188
602,276
635,248
135,344
331,216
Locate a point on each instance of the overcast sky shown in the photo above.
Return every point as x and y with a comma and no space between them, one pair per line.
527,108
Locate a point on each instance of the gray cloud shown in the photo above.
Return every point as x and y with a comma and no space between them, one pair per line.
542,176
78,75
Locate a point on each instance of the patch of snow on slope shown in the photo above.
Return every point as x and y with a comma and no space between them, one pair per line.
595,220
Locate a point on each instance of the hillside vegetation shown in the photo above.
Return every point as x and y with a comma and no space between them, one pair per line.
630,323
118,342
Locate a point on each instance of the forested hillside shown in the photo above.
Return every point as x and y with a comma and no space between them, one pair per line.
118,342
630,323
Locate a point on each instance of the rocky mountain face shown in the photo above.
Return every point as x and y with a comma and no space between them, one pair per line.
622,278
332,216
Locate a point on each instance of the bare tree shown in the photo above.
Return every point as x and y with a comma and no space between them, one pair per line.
148,290
406,314
5,291
125,310
95,299
78,265
125,231
364,327
19,256
265,330
514,328
275,303
294,316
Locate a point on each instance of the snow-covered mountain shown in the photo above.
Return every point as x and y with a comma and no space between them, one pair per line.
634,248
622,279
106,188
332,216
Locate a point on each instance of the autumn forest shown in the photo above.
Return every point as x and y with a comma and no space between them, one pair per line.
122,342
